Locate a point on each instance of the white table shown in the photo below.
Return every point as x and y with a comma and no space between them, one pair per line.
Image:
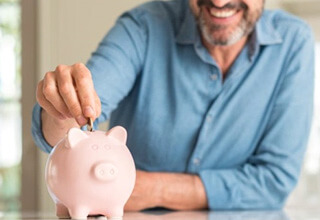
195,215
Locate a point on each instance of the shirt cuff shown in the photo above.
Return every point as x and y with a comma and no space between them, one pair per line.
217,191
36,130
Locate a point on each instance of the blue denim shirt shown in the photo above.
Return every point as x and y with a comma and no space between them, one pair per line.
245,136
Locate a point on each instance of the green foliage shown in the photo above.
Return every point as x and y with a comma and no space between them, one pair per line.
8,1
8,29
10,177
10,188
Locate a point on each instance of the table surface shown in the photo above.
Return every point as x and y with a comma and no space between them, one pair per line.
191,215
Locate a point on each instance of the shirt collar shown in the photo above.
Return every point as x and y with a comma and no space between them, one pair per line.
188,29
264,32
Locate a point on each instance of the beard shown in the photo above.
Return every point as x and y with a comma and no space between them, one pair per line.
223,35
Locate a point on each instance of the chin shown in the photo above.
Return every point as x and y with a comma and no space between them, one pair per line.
223,39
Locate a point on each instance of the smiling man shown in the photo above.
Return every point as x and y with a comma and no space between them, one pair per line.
225,23
216,96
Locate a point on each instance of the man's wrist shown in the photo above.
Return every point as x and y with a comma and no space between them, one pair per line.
179,191
54,129
158,187
57,123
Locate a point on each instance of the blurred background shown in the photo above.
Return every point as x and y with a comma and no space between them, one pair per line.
37,35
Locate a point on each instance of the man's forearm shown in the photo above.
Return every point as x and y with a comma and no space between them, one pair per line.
182,192
54,129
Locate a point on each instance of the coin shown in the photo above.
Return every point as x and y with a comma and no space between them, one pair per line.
90,124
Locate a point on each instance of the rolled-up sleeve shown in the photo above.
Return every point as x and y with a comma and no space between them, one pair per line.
36,130
271,173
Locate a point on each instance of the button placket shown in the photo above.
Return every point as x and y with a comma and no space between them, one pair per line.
214,81
196,161
214,76
197,158
209,118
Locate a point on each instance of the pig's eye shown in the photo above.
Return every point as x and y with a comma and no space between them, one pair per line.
95,147
107,147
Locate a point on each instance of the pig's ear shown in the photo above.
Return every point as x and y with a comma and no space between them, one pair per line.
74,136
118,133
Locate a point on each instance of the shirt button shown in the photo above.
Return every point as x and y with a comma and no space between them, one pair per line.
214,77
196,161
209,118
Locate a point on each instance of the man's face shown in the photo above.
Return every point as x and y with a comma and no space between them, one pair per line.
224,22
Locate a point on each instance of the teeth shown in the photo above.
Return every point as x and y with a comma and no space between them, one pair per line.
222,14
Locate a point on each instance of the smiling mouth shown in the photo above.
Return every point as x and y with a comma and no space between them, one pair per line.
222,13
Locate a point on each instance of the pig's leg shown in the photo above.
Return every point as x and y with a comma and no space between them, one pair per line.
62,211
115,214
79,212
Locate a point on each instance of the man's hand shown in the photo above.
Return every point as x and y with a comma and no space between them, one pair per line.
169,190
68,92
67,98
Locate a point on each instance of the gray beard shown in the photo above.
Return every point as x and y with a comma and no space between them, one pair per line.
245,27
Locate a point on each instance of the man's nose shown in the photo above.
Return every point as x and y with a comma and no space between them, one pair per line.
220,3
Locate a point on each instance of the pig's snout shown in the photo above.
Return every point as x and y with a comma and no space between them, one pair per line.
105,171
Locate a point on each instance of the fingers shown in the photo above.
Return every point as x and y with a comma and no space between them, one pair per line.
69,92
85,89
45,104
98,105
51,93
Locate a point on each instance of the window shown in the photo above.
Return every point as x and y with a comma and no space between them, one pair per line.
10,116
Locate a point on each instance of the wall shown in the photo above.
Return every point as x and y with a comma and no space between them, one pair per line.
309,10
70,30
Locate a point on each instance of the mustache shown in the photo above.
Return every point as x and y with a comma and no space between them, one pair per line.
230,5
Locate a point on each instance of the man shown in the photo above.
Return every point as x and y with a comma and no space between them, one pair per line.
216,96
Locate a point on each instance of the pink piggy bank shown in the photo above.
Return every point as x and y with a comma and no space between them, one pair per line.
91,173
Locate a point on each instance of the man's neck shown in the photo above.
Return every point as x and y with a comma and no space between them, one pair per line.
225,55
